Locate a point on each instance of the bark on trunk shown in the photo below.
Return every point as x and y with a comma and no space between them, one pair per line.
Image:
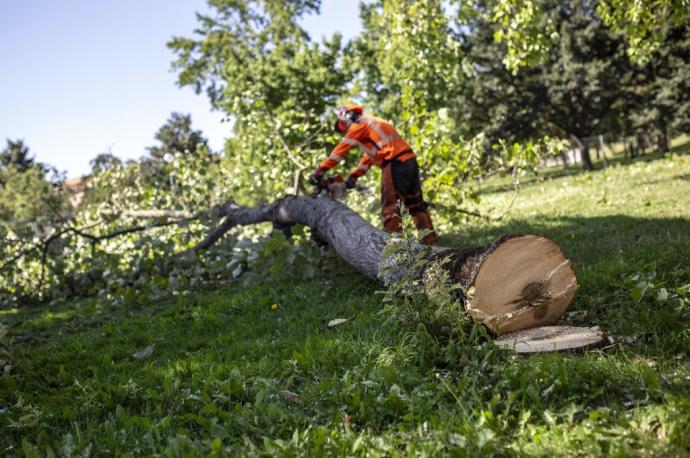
584,153
517,282
602,146
662,139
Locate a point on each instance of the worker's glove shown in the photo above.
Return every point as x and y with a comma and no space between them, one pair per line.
315,178
351,181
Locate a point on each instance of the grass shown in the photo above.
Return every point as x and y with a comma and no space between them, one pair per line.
225,372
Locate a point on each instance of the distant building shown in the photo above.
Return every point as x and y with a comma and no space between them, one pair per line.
76,188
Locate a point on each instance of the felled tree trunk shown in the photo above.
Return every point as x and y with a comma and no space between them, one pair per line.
517,282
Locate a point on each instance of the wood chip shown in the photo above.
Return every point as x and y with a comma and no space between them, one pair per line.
551,338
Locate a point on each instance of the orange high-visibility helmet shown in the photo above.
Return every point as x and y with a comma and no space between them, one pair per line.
347,114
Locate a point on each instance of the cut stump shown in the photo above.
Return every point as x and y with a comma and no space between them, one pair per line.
518,282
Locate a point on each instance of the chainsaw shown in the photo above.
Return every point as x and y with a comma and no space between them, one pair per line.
333,187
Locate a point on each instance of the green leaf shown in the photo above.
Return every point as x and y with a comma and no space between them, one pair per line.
661,296
638,291
390,249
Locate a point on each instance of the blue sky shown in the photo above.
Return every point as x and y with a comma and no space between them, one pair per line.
81,77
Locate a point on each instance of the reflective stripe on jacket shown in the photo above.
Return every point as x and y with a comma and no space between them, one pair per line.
379,140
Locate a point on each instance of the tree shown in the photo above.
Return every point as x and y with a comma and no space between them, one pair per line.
494,101
582,78
507,289
580,89
29,202
16,154
177,137
517,282
261,68
104,161
661,93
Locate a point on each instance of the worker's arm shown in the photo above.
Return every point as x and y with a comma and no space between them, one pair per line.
350,140
362,167
358,171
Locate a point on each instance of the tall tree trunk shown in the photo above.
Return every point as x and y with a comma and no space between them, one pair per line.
640,143
626,153
584,152
662,138
602,146
517,282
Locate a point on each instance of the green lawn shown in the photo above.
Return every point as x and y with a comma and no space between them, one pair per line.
224,372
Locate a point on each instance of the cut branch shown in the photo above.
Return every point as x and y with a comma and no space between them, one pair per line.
218,210
517,282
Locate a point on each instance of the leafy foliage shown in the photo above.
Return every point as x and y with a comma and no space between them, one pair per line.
106,250
582,87
528,32
645,24
259,66
29,202
177,137
103,161
16,154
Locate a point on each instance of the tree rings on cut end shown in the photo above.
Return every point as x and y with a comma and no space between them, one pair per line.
551,338
525,282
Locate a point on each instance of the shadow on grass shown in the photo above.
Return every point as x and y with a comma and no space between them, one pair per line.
596,240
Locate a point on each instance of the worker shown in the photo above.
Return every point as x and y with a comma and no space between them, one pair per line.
382,146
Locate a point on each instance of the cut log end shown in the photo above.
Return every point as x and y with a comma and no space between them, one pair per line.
524,282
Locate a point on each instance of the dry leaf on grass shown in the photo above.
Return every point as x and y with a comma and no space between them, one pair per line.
289,396
337,321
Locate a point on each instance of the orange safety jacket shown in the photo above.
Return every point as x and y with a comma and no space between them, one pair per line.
378,138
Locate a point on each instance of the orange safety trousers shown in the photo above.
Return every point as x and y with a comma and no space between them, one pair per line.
400,182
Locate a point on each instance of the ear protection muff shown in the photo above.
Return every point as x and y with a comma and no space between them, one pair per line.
339,126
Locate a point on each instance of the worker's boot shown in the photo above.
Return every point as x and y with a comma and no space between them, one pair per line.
422,220
392,223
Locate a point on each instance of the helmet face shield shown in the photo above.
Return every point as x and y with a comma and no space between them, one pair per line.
347,114
342,122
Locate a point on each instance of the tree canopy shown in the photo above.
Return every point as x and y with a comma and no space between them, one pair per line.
176,136
16,154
